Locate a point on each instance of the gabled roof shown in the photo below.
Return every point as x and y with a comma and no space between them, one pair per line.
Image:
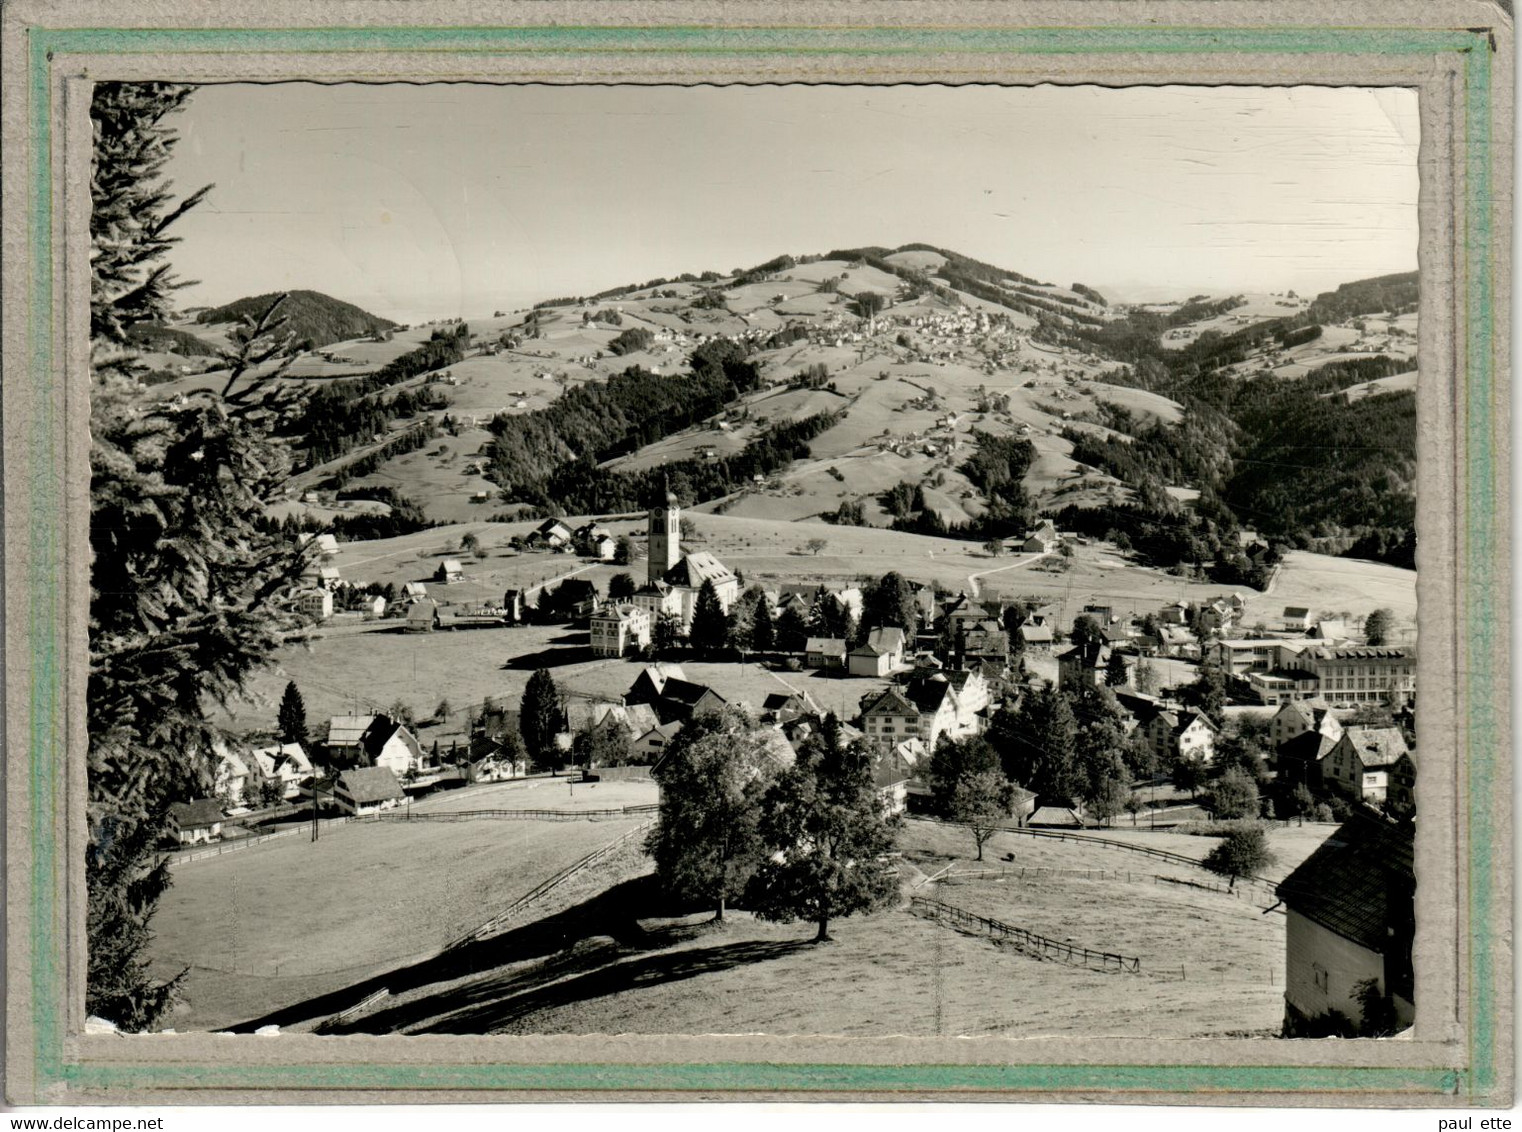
1296,612
425,610
890,701
695,569
890,640
1376,746
199,814
868,651
1359,884
381,731
829,646
452,566
347,730
1307,747
272,759
686,692
370,784
929,693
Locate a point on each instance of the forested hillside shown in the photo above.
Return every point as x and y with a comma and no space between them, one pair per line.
312,317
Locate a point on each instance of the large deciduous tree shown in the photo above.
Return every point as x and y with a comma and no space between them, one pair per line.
1242,852
828,832
712,777
191,587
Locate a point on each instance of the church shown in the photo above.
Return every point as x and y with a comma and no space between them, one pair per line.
673,579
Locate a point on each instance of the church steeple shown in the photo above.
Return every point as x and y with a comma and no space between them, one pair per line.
665,536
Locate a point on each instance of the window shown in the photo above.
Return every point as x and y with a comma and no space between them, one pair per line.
1319,976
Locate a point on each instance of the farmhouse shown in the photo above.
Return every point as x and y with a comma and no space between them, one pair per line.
1350,920
1036,633
648,747
367,790
423,616
551,533
449,572
373,606
619,629
194,823
232,778
1041,540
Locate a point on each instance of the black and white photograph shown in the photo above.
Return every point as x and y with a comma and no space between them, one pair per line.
875,561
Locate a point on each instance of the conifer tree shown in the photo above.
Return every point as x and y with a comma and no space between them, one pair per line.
763,634
292,719
191,589
710,627
540,717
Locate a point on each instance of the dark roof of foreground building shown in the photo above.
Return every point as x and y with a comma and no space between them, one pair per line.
1360,883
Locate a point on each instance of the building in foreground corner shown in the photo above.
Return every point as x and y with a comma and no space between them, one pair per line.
1351,919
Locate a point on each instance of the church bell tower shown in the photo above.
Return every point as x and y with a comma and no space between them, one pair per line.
665,538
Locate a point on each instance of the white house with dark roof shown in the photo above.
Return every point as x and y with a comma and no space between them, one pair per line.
1359,764
367,790
620,628
673,579
285,763
1350,918
194,823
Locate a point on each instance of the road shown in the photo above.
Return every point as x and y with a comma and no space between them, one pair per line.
973,579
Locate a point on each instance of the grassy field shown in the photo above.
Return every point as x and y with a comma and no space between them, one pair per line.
1213,964
1331,587
291,918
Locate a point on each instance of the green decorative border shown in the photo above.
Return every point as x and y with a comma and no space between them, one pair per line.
1481,550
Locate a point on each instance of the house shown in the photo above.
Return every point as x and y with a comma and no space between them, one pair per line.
866,660
648,747
628,721
345,733
1350,918
449,572
652,678
194,823
783,707
620,629
414,591
422,616
825,652
285,763
389,743
1296,619
1041,540
327,545
551,533
315,604
891,641
1358,765
1082,666
373,606
1330,631
1238,657
1055,813
512,607
889,717
982,642
1036,633
1302,759
891,773
1176,734
1299,716
1359,674
367,790
668,691
590,538
320,576
232,781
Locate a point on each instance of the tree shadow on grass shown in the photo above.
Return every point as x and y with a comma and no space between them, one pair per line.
492,1005
612,912
551,658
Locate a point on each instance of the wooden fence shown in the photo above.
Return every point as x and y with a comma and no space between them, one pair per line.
1148,850
1028,942
496,923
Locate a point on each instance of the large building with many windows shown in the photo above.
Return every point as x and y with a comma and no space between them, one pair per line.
1345,675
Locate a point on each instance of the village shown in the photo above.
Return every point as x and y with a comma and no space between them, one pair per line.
1307,719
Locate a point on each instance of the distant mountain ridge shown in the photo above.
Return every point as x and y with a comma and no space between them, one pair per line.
312,316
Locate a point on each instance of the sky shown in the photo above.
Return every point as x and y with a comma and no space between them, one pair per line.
425,201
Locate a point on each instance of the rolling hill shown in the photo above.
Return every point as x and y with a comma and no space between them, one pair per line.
312,316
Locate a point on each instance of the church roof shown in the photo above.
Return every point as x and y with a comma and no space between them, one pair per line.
694,569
